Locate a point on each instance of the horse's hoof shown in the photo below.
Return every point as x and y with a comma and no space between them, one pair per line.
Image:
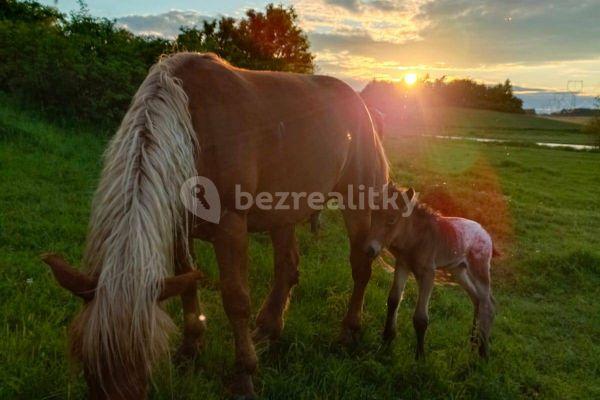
262,333
388,335
242,387
420,355
349,336
484,352
187,352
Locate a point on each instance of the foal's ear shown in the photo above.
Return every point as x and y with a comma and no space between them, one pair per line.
176,285
392,188
410,194
79,284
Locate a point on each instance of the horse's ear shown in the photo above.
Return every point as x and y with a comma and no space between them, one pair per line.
69,278
176,285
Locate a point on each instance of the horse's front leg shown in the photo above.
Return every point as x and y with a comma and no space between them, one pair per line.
193,321
269,322
357,224
231,248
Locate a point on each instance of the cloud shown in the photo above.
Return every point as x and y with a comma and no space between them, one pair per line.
165,25
538,43
362,5
460,33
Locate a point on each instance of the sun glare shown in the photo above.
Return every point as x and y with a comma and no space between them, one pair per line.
410,79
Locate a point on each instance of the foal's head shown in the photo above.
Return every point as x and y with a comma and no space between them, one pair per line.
391,224
109,376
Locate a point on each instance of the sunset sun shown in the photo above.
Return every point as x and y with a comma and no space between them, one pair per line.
410,79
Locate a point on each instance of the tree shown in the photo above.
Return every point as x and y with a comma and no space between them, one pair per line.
269,40
393,97
593,127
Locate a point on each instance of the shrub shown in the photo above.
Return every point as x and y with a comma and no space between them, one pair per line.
593,127
88,68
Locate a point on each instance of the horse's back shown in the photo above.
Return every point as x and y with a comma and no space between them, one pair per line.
271,131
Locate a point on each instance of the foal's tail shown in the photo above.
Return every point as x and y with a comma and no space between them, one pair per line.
495,252
137,217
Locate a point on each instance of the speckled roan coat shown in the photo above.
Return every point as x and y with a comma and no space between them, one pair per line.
425,241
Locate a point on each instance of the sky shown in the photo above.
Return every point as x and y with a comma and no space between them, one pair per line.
549,49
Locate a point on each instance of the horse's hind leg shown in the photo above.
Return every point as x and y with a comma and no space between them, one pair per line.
193,321
357,224
394,299
231,248
286,256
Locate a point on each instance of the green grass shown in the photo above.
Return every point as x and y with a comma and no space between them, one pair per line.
452,121
541,206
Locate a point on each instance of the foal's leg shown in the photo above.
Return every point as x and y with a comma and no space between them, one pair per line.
394,299
485,313
231,248
286,256
193,322
461,276
425,278
480,272
357,225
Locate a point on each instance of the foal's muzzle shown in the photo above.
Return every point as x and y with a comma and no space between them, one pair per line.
373,248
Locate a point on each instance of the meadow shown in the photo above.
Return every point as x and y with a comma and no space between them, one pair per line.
516,128
542,206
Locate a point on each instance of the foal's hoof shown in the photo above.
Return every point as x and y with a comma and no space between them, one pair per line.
242,387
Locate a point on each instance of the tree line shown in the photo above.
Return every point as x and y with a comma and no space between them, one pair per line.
77,66
394,97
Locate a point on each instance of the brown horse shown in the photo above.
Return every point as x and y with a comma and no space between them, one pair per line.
378,119
257,132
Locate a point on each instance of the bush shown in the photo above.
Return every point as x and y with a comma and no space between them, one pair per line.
593,127
88,68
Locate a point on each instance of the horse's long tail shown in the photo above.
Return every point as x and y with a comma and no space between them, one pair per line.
137,217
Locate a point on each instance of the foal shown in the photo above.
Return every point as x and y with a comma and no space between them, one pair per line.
424,241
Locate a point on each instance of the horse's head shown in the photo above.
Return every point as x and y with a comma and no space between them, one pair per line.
109,376
391,220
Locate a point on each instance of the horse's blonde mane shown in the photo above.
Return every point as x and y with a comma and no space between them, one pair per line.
137,217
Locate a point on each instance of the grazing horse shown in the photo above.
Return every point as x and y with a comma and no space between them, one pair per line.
256,132
422,241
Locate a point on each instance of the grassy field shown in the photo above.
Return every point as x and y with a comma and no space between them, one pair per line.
575,120
541,206
487,124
